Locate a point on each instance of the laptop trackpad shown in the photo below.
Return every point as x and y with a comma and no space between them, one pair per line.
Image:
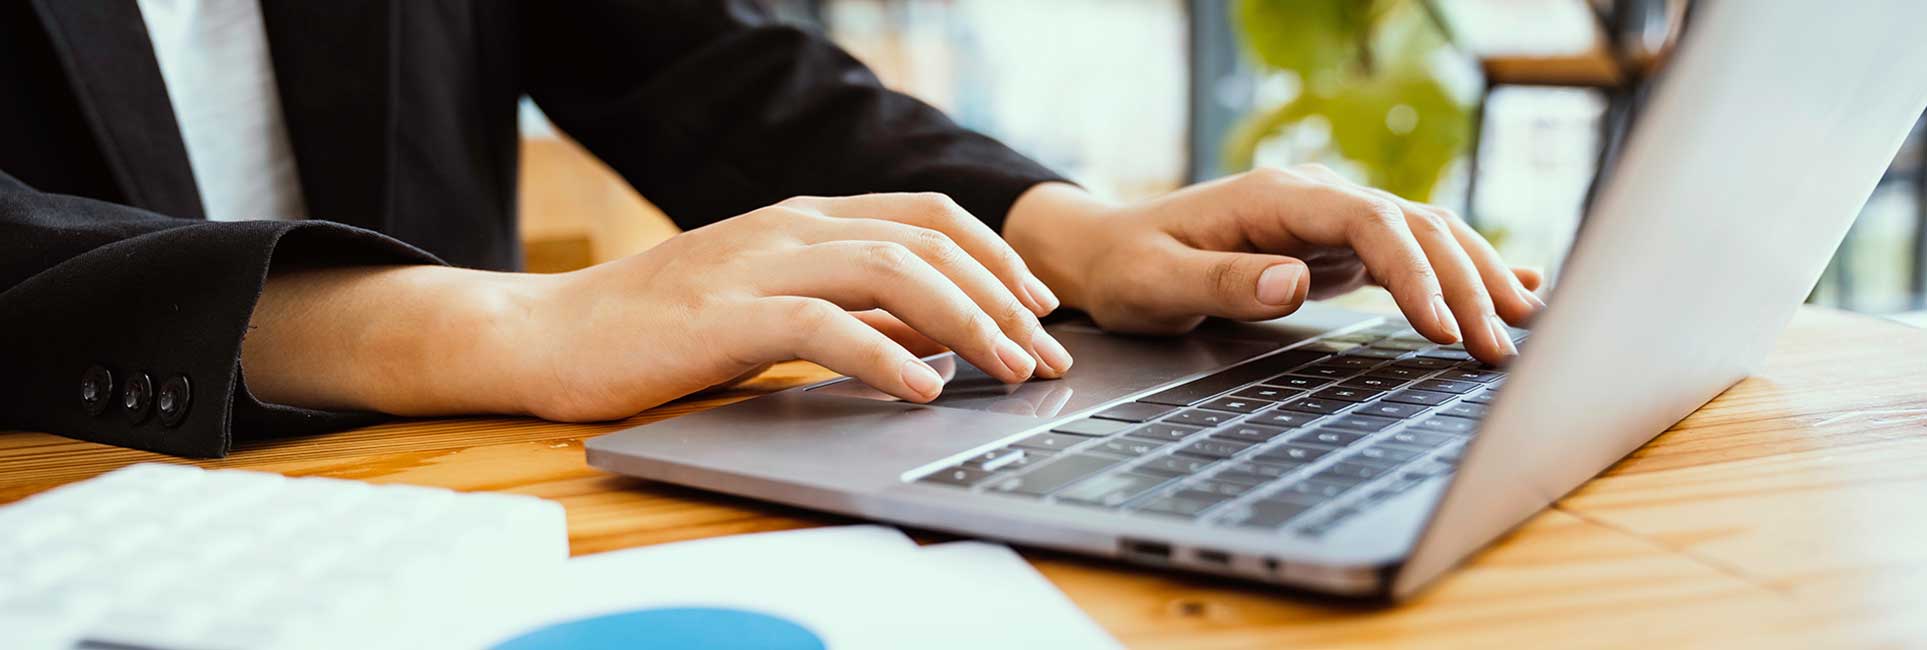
1107,367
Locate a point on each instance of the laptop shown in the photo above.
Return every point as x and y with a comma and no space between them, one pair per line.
1340,452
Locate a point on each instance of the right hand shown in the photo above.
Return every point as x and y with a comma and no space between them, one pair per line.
781,283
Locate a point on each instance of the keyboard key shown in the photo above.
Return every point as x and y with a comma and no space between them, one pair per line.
1247,432
1318,406
958,476
1050,441
1214,448
1174,465
1374,353
1243,471
1184,504
1266,393
1310,490
1383,455
1030,457
1091,427
1465,409
1201,418
1266,514
1375,384
1297,454
1352,363
1298,382
1283,419
1222,488
1446,354
1419,397
1327,372
1344,394
1111,490
1447,386
1135,412
1402,345
1420,439
1347,470
1128,446
1330,345
1329,437
995,459
1475,376
1164,431
1358,422
1446,424
1061,471
1424,363
1209,386
1396,372
1383,408
1236,404
1482,398
1359,338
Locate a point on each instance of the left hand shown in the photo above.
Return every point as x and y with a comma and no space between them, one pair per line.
1254,246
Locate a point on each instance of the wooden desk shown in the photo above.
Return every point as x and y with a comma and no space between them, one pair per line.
1790,512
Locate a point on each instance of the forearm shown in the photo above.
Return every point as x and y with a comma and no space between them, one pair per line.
404,340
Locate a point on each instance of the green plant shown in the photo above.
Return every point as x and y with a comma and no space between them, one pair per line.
1364,69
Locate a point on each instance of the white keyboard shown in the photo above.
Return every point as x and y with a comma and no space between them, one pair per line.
177,558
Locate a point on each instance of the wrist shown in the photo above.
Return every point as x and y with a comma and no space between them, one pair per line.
1059,230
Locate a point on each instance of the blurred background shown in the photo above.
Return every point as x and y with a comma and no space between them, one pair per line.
1501,109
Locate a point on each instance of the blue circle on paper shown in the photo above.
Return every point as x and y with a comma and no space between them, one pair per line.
677,628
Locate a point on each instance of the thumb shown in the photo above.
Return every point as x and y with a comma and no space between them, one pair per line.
1243,286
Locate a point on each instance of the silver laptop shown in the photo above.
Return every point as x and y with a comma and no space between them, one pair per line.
1341,452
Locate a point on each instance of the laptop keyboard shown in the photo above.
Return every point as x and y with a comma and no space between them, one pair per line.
1300,440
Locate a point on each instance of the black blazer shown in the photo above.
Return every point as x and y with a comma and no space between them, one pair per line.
402,115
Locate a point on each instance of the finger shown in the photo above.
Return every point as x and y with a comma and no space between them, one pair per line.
1294,207
964,270
1531,278
940,213
898,331
861,275
817,331
1465,290
1510,295
1243,286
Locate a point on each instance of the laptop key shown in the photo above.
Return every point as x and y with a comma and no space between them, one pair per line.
1383,455
1464,409
1329,437
1347,469
1267,471
1424,363
1283,419
1295,453
1351,362
1164,431
1174,465
1396,372
1183,504
1201,418
958,476
1061,471
1111,490
1327,372
1209,386
1383,408
1475,376
1226,489
1236,404
1483,397
1420,397
1369,382
1358,422
1374,353
1091,427
1050,441
1446,424
1420,439
1128,446
1298,382
1266,393
1344,394
1447,354
1266,514
1310,490
1214,448
1314,405
1136,412
1402,345
1247,432
993,460
1447,386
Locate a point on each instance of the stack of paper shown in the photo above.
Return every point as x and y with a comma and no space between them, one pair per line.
846,587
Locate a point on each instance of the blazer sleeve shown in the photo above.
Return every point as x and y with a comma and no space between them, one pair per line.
104,294
710,108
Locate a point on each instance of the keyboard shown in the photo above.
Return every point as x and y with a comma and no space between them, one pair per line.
1296,441
172,557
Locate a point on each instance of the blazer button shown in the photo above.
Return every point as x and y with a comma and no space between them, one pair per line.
172,401
137,397
96,390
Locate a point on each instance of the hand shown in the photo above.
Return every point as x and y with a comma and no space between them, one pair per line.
701,309
1255,246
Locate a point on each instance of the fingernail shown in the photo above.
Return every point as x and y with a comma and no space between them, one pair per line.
1051,352
1040,292
1015,358
1531,298
1278,284
921,378
1444,316
1501,335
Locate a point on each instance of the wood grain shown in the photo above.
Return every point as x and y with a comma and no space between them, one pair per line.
1790,512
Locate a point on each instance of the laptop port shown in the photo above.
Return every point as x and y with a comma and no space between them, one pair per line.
1149,550
1209,556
